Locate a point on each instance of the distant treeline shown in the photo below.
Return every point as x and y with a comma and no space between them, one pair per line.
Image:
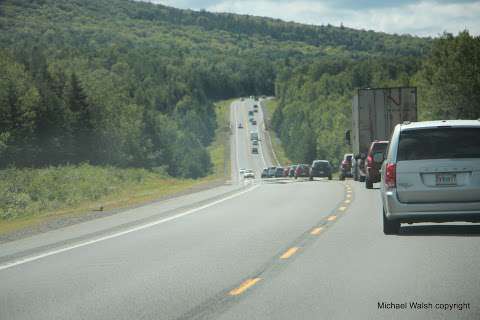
130,84
315,99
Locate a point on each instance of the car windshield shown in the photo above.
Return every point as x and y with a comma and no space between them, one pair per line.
439,143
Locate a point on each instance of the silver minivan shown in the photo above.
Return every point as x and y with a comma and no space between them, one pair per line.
431,173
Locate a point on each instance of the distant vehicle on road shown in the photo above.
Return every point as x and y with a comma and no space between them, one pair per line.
286,171
242,171
240,125
320,169
431,174
242,99
250,113
255,142
271,172
254,150
346,166
279,172
291,173
302,170
265,173
254,135
254,122
375,157
249,174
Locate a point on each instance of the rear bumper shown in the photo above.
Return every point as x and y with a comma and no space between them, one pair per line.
346,172
316,174
428,212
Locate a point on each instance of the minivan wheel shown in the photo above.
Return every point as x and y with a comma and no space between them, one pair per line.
311,178
329,177
390,226
368,183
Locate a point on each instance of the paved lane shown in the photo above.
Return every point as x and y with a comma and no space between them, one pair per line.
350,267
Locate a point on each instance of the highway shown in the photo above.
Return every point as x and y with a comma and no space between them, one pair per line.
274,249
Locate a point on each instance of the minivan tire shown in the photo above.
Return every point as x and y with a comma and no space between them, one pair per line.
390,226
329,177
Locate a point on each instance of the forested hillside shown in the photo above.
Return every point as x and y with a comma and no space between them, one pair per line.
315,98
131,84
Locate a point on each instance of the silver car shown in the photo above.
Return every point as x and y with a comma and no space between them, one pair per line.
432,173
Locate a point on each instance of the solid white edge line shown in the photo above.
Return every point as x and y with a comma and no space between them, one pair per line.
121,233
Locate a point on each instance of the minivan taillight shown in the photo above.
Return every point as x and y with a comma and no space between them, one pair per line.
391,175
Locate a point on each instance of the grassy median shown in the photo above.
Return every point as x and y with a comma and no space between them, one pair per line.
31,196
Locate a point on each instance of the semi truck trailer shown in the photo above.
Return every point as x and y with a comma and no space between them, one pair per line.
375,113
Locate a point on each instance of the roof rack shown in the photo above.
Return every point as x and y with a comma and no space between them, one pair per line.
406,122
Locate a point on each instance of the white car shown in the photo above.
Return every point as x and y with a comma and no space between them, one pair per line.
249,174
432,173
242,171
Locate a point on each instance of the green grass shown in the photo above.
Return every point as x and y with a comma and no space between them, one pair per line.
31,196
271,106
220,148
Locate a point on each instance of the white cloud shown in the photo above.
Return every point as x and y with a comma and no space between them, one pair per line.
424,18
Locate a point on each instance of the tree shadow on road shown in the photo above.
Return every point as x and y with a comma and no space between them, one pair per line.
441,230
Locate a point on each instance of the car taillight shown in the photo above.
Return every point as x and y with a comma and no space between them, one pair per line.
344,163
391,175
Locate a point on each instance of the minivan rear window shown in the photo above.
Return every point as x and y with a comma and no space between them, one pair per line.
439,143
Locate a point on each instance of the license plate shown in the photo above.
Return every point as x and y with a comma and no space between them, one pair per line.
446,179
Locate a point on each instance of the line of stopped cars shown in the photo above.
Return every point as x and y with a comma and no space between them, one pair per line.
318,169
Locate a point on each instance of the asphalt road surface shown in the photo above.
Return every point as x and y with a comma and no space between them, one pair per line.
277,249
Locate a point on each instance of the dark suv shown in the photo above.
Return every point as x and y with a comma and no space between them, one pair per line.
375,157
346,166
321,169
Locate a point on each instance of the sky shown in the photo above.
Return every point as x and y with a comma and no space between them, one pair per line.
422,18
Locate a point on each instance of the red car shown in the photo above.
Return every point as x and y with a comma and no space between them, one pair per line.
286,171
302,170
375,157
346,166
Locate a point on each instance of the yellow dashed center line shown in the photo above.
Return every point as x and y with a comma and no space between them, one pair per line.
290,252
244,286
347,201
332,218
349,195
316,231
342,208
